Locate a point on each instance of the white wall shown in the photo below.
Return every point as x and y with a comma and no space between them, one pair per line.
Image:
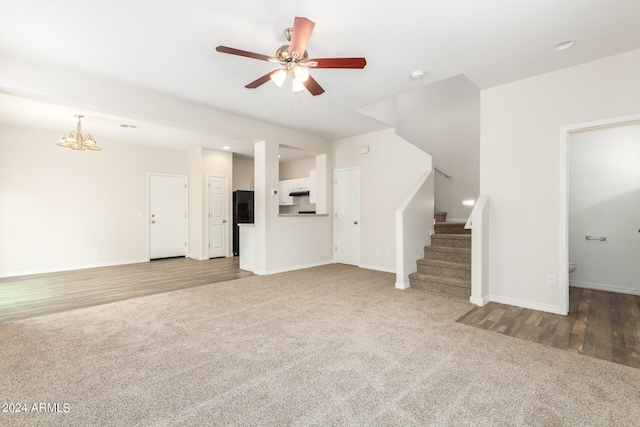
58,205
414,224
243,174
389,172
285,243
196,204
604,200
443,119
203,163
297,168
521,159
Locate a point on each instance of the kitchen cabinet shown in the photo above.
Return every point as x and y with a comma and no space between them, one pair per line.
285,187
290,185
300,184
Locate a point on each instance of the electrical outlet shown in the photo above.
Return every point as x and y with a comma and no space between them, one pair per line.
377,253
96,250
295,252
388,254
551,279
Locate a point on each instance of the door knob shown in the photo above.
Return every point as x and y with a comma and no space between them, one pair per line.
355,222
224,220
153,222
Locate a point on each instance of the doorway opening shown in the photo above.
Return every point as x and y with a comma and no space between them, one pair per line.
567,204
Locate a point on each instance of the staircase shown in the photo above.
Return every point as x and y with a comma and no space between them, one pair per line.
446,266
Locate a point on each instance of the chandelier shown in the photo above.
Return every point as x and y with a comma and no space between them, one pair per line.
77,141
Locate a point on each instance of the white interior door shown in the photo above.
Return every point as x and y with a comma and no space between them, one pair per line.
167,216
347,216
218,221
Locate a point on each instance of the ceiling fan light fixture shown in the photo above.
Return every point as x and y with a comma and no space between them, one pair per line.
297,85
293,56
279,77
301,74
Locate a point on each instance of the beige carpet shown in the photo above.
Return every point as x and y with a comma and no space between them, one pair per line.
333,345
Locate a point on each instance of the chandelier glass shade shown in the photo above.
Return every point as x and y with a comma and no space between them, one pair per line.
299,75
77,141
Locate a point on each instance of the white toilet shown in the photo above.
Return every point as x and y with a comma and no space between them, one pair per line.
572,267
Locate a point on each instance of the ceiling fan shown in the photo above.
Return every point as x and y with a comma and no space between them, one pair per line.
294,59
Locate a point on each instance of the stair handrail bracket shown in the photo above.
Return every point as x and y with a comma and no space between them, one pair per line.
479,222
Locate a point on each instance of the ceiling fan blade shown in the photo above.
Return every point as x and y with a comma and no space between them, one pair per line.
302,28
338,62
232,51
313,86
262,80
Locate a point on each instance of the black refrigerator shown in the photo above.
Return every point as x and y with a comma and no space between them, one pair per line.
242,214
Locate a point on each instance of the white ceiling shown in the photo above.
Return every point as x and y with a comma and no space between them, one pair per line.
168,47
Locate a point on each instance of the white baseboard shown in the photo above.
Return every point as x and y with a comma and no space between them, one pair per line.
481,302
606,288
378,268
71,267
292,268
402,285
527,304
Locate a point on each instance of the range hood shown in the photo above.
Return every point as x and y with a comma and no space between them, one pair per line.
299,193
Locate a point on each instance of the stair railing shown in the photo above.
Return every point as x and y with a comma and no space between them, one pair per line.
442,171
479,223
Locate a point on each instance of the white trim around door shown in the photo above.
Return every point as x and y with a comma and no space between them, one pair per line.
565,131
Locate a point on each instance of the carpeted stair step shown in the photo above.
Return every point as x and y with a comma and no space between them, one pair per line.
440,216
444,269
458,288
451,228
452,240
444,253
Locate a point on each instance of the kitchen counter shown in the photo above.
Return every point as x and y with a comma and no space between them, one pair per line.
247,247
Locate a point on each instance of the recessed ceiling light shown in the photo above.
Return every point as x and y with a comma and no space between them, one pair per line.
563,45
417,74
226,147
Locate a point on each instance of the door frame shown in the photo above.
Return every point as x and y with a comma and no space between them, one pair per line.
228,207
335,204
148,211
563,241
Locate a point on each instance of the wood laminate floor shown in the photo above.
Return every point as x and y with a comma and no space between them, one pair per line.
35,295
604,325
